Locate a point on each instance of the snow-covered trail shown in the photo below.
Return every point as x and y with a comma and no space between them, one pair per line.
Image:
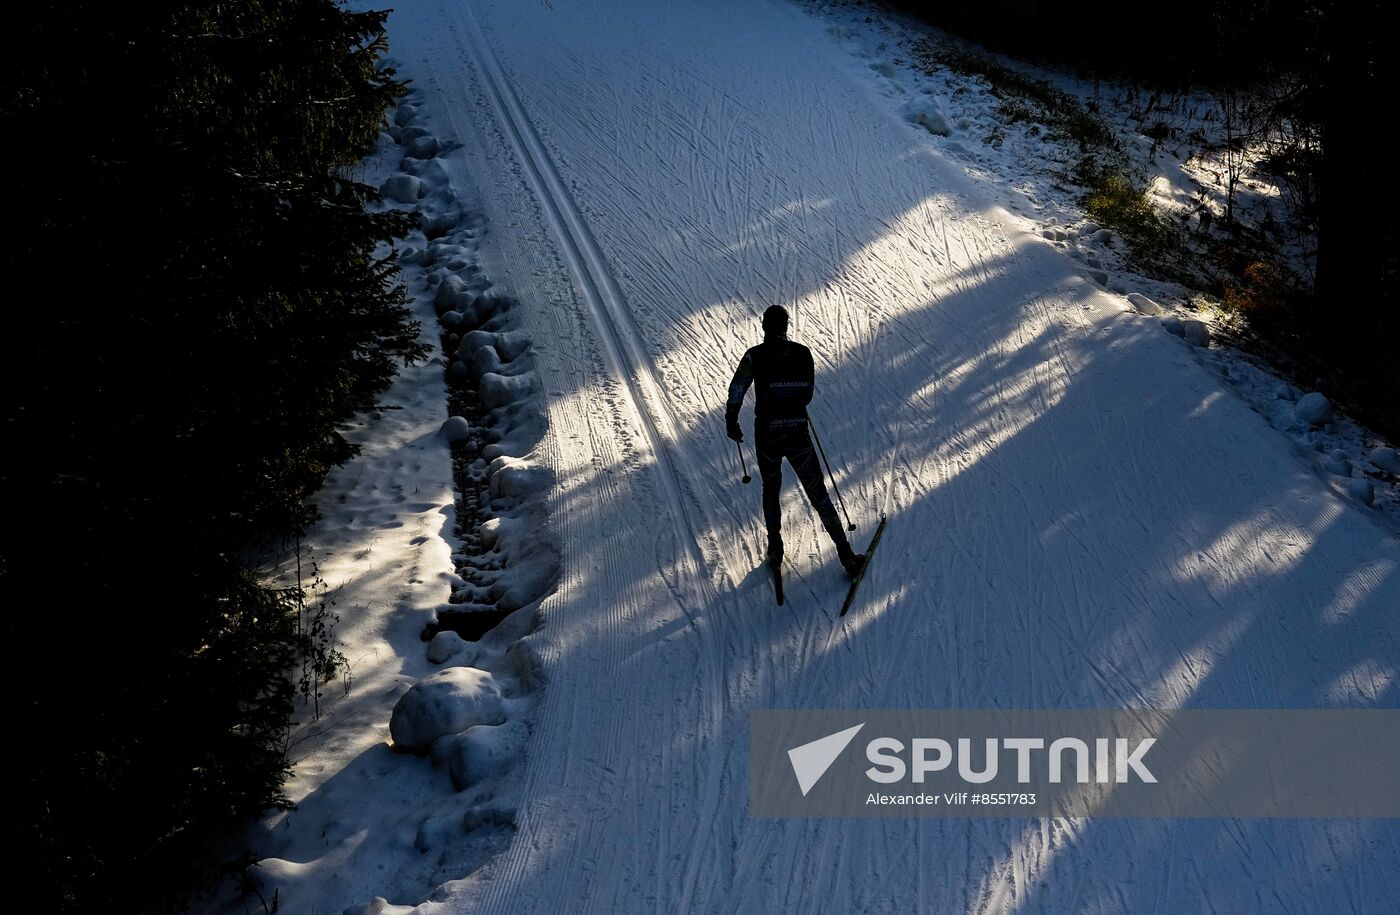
1081,516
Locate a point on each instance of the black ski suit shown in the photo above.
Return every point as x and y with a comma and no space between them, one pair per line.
783,377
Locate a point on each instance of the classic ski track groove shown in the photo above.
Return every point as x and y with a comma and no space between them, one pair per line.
630,363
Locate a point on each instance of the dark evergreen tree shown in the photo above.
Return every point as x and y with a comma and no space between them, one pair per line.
196,305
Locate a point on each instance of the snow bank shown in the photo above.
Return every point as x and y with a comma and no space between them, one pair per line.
447,702
397,539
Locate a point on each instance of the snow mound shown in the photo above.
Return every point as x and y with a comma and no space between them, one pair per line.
1362,491
431,171
494,813
526,580
485,360
422,147
1196,332
402,188
512,344
925,111
1313,409
1386,459
448,644
457,429
379,906
452,295
484,752
500,390
405,115
508,346
1336,463
1143,305
447,702
514,477
1173,325
435,222
524,657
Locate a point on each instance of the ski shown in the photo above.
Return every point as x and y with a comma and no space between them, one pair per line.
778,581
860,576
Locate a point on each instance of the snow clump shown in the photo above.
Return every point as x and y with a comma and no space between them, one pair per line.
379,906
448,644
1337,464
447,702
483,752
422,147
402,188
1313,409
457,429
1196,332
1386,459
925,111
500,390
1362,491
1143,305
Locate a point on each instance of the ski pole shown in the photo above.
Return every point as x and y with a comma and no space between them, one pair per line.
742,463
850,525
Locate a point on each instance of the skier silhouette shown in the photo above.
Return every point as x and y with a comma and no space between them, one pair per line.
783,375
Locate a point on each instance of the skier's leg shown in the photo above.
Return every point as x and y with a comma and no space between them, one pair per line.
770,472
804,460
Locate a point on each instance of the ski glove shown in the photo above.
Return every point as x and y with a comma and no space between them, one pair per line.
731,428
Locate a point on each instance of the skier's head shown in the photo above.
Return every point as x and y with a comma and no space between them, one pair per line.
775,321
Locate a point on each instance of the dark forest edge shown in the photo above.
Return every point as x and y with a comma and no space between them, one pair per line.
198,306
1308,81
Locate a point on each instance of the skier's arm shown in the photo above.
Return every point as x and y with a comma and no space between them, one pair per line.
811,378
738,387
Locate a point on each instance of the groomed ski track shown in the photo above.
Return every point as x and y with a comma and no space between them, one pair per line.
1080,516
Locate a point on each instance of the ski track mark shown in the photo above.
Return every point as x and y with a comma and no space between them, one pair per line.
629,362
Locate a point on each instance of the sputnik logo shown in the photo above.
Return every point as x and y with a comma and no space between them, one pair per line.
811,760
